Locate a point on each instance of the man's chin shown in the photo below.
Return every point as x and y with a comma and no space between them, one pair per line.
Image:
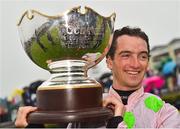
134,85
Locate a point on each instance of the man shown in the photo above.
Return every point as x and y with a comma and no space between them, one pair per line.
128,60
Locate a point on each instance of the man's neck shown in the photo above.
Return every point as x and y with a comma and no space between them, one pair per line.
124,95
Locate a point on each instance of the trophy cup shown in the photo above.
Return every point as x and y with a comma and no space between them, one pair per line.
67,46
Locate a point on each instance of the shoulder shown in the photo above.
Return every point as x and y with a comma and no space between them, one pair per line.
150,94
153,102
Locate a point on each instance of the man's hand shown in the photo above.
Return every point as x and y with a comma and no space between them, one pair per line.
21,119
115,104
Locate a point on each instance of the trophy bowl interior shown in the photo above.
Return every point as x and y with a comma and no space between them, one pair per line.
72,35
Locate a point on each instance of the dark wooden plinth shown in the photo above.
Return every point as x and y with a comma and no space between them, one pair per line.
55,117
69,99
58,104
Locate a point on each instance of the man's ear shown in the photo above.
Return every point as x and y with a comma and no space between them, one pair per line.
109,62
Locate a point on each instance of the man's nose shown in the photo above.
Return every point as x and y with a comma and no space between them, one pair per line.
135,62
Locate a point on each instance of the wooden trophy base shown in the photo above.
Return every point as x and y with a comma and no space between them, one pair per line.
55,117
64,105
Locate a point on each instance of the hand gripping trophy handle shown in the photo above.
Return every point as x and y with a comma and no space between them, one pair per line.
67,46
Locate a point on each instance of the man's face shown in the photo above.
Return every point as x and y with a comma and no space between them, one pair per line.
130,62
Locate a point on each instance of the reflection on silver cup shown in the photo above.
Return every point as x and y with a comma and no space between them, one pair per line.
67,36
67,45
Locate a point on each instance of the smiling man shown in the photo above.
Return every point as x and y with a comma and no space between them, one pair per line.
128,60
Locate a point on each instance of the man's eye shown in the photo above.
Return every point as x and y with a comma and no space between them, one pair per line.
125,55
143,56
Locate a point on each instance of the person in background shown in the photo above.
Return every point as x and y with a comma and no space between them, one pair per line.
128,60
3,113
106,81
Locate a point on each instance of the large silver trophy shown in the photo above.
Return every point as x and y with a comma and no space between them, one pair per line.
67,46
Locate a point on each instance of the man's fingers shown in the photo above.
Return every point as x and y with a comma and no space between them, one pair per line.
24,111
21,120
106,101
110,100
115,104
27,109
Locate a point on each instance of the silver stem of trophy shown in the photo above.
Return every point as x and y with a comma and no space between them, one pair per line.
68,73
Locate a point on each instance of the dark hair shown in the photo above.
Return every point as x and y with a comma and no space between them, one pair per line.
127,31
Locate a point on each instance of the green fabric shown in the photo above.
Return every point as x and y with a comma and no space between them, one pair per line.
129,119
153,103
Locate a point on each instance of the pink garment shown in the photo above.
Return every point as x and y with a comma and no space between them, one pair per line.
153,82
167,117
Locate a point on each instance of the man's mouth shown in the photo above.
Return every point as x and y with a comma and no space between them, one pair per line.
133,72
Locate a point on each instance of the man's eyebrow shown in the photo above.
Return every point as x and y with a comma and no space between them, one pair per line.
142,52
124,52
146,52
